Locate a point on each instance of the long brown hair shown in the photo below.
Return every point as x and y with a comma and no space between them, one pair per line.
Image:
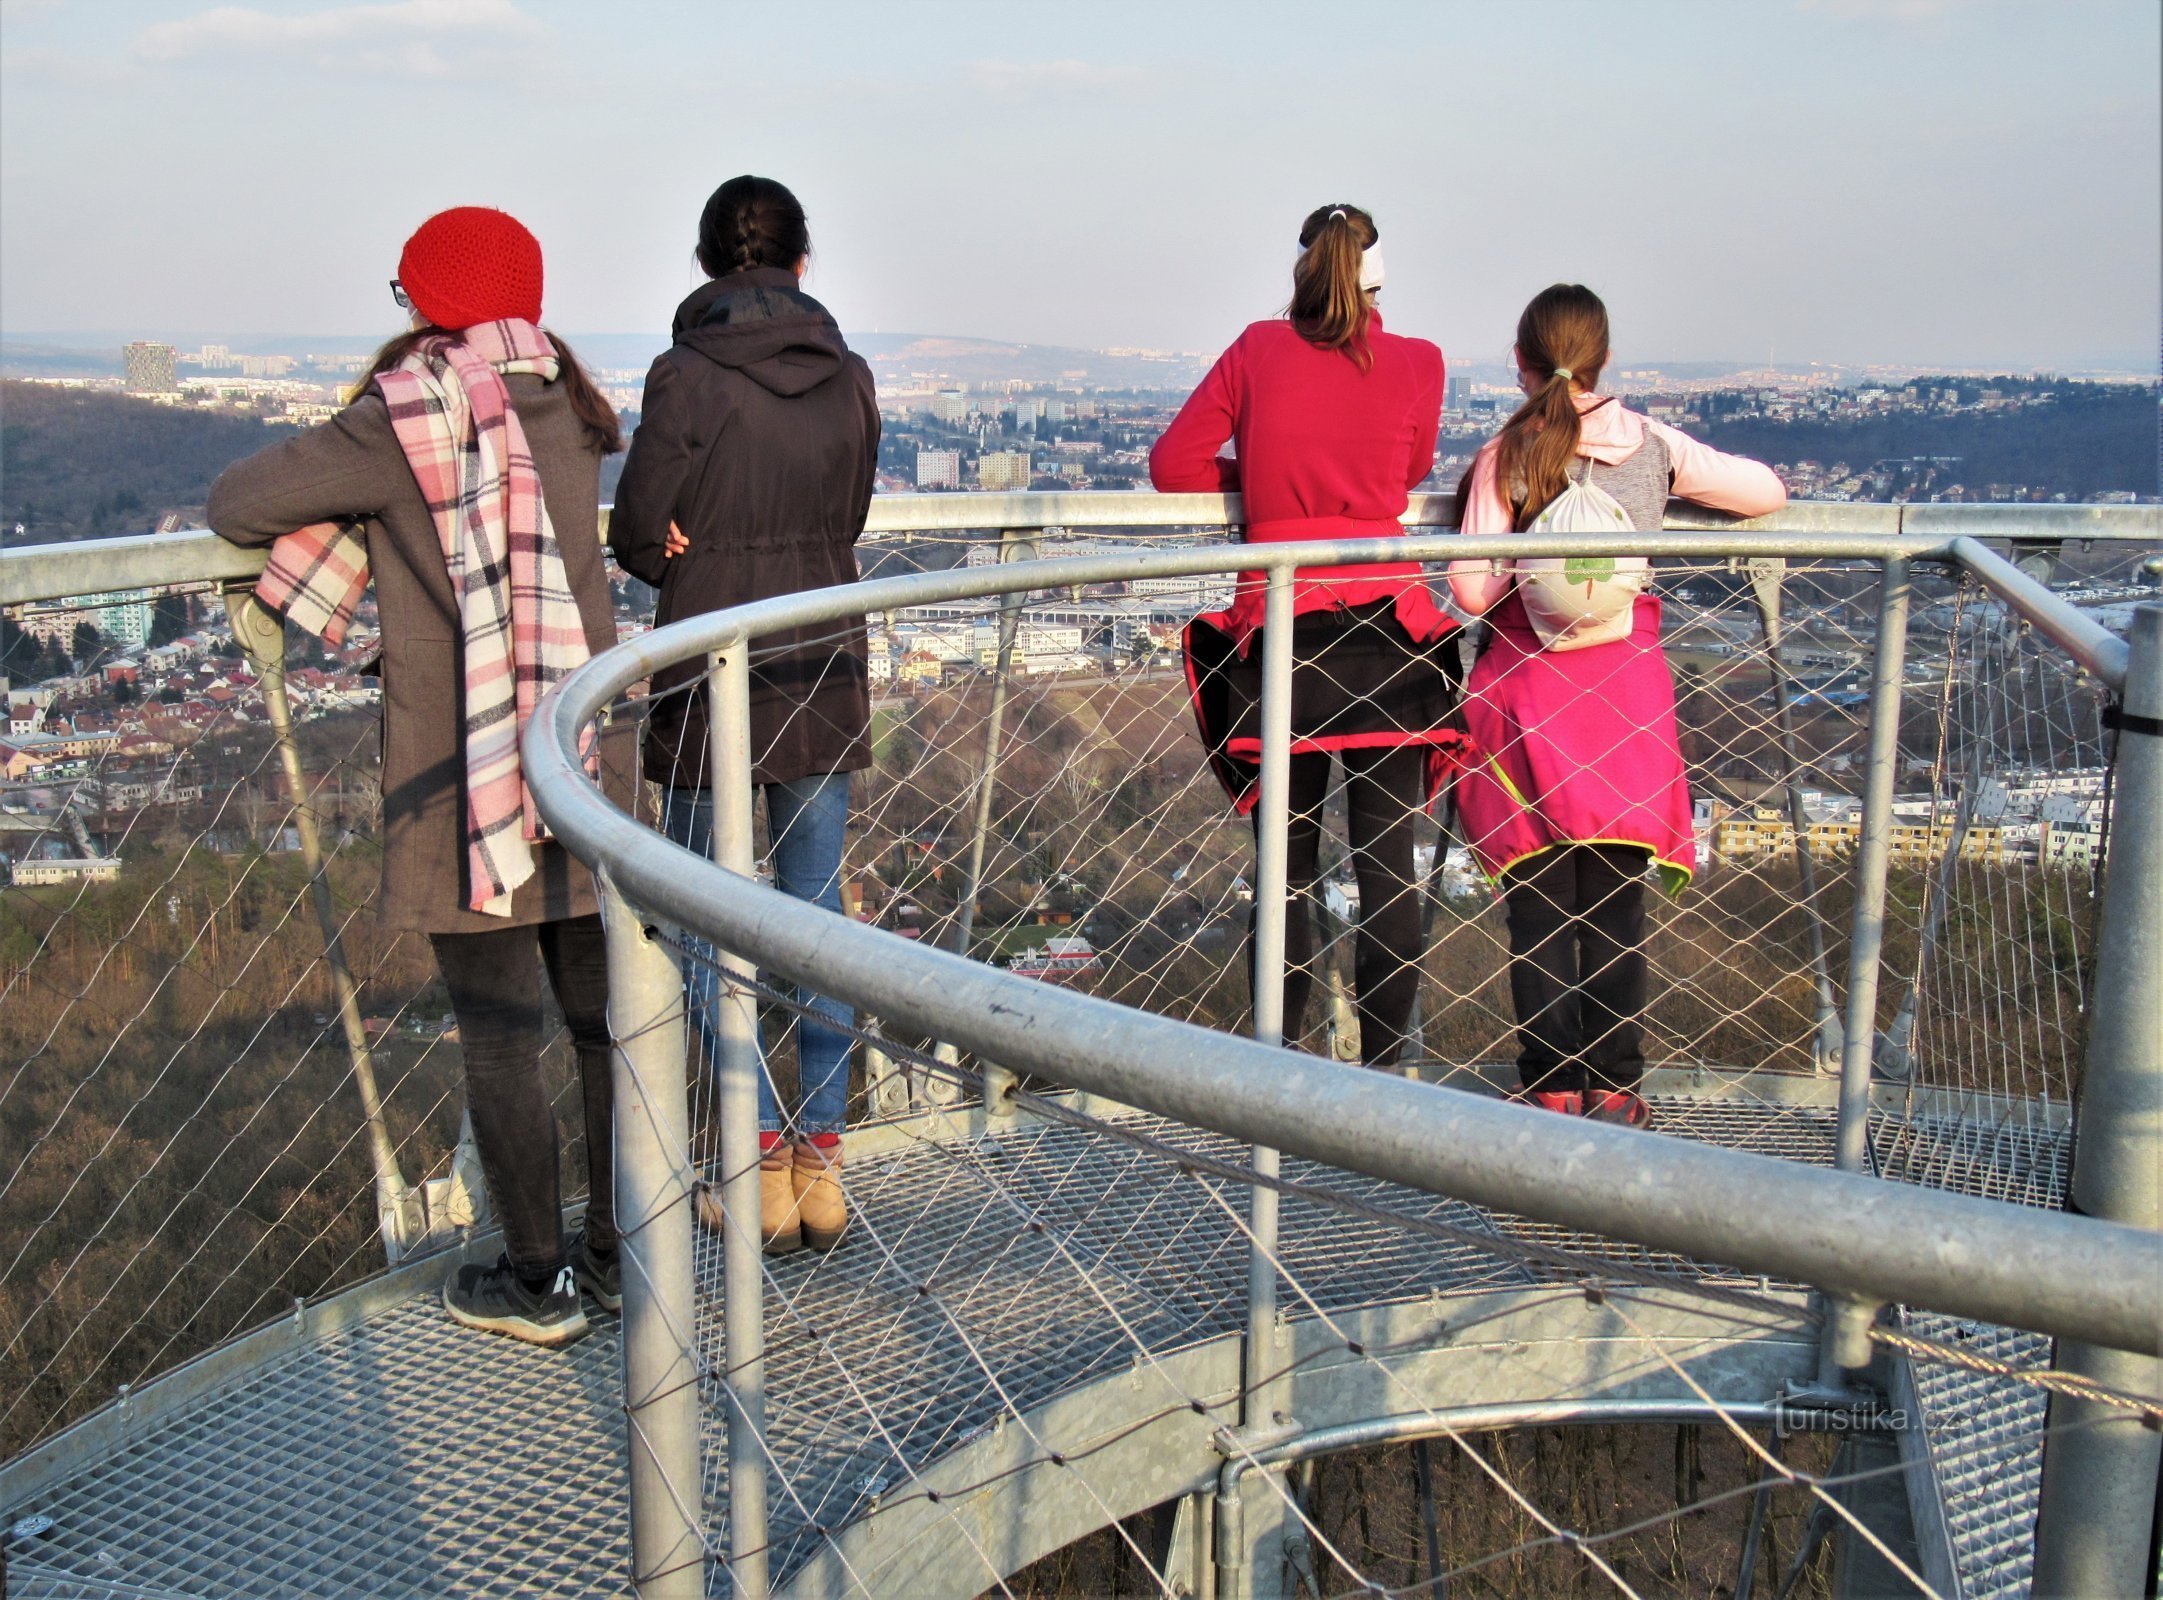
1329,309
588,404
1564,328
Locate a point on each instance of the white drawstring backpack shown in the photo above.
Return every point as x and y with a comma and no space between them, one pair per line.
1579,601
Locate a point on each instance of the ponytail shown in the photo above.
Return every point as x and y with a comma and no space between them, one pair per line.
1561,336
1329,309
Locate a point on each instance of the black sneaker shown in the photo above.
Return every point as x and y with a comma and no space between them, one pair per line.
600,1277
492,1298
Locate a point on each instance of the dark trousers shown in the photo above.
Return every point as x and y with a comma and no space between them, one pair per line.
1383,794
495,985
1577,965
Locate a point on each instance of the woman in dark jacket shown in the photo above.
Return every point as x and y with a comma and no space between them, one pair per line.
471,278
749,477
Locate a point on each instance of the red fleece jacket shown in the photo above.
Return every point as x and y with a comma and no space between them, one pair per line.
1325,451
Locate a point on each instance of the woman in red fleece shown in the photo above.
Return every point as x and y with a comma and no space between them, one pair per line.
1334,423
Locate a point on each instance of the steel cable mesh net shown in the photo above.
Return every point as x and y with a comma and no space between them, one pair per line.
1112,860
182,1146
986,1279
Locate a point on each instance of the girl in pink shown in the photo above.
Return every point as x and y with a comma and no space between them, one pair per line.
1577,783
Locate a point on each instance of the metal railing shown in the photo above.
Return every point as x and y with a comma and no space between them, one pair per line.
1862,1242
1895,1059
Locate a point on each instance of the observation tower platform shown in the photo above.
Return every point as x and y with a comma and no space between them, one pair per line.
1113,1272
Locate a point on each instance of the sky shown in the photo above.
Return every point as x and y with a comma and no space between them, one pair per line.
1960,183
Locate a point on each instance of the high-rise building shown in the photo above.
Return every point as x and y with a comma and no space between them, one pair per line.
950,405
938,469
122,615
150,368
215,357
1003,469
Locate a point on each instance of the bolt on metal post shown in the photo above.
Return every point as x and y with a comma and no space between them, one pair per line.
261,634
1015,544
1271,900
1847,1327
653,1219
728,716
2100,1466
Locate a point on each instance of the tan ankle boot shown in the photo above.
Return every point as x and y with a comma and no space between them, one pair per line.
824,1212
779,1229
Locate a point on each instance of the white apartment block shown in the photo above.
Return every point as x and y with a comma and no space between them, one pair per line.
938,469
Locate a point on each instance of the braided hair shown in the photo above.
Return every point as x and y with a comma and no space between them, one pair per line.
751,222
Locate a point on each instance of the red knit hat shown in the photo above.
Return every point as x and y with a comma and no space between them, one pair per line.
471,264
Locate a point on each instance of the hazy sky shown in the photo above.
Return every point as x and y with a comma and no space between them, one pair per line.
1955,182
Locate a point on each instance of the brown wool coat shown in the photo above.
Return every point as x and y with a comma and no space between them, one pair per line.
352,466
759,437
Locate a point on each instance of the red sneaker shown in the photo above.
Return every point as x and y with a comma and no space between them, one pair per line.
1570,1102
1625,1106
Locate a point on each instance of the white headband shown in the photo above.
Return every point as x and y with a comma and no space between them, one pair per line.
1370,268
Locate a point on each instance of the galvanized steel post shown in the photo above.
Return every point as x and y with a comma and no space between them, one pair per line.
653,1215
1015,544
2100,1466
1272,897
743,1329
1767,577
1847,1327
400,1214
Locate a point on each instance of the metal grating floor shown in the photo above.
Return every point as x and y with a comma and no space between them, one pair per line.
409,1457
1985,1436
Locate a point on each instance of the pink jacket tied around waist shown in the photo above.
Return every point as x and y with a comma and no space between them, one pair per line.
1581,746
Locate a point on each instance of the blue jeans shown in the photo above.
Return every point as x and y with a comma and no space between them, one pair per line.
807,822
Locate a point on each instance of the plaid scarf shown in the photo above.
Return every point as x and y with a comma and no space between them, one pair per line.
520,624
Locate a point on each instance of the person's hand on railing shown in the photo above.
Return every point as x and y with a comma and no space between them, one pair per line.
675,544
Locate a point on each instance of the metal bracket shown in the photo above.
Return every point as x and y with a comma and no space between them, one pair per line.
1240,1444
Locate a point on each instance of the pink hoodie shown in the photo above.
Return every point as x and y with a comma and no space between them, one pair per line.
1581,746
1611,434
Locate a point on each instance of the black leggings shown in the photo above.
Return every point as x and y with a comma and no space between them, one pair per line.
1383,793
1577,965
495,986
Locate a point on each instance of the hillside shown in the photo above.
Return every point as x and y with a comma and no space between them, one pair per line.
77,465
2093,439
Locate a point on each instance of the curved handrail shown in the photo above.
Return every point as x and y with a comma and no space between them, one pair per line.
42,572
1849,1234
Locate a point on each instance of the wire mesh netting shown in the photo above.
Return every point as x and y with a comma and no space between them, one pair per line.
1038,797
182,1149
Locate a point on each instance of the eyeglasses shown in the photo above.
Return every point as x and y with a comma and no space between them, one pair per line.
398,293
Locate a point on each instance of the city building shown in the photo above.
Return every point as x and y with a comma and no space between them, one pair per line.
938,469
150,368
122,615
1003,470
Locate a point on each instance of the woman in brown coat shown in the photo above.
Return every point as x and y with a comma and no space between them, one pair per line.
472,280
749,477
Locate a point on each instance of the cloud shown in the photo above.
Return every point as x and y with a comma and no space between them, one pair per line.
406,37
1028,80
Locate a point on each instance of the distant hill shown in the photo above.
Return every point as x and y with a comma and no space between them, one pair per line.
77,464
2095,438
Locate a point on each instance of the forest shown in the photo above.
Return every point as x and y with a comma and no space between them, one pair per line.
2089,439
79,464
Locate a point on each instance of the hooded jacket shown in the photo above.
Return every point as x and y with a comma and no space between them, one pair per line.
759,438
